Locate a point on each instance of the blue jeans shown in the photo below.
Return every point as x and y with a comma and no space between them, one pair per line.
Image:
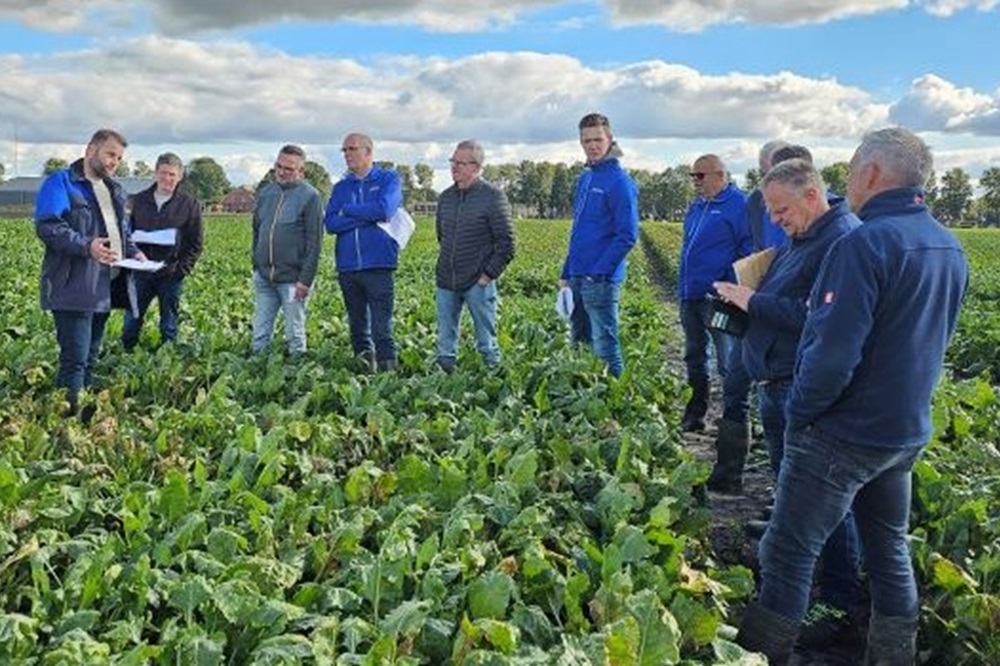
821,479
79,335
167,291
840,558
595,320
368,298
736,386
269,298
482,303
696,339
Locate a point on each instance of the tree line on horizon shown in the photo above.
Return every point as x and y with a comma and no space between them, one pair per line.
546,189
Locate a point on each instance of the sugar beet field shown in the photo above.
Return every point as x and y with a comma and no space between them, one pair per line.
227,509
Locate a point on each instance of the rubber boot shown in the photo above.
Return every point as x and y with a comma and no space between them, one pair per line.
731,447
892,641
765,631
697,405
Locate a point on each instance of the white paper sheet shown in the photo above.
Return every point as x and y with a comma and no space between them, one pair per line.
138,265
159,237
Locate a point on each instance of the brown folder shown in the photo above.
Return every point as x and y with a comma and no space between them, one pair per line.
750,270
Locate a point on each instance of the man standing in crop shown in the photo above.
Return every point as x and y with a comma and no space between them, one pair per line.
881,312
80,217
164,207
475,233
287,237
715,235
366,255
605,227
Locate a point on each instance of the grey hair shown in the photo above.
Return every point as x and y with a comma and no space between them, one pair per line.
169,159
473,147
292,149
796,173
769,148
902,156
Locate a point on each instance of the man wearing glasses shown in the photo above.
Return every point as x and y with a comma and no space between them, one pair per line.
475,233
715,235
366,254
287,237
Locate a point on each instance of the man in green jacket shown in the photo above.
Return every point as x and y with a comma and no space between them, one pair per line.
287,237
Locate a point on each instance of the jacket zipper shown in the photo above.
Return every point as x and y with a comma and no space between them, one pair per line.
357,230
274,221
454,236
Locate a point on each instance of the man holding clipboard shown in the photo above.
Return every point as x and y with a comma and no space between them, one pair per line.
166,225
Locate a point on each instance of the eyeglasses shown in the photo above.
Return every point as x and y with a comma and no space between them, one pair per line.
455,162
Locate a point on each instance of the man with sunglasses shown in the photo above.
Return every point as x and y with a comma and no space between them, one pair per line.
715,235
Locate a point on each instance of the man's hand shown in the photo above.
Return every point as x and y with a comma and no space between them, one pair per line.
139,256
301,291
101,252
484,280
736,294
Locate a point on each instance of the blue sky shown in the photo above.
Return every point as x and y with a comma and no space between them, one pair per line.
677,77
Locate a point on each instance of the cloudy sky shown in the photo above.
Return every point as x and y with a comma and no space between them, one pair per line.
235,80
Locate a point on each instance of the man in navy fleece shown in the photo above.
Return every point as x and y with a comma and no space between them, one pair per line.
605,227
881,312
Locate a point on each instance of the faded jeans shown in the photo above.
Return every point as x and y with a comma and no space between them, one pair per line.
821,479
269,298
482,304
594,321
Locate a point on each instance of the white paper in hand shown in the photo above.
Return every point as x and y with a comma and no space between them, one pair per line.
400,226
158,237
139,265
564,303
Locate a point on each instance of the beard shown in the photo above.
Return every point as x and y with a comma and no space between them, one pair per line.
97,168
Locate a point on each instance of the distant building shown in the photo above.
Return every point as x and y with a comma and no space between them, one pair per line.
422,208
240,200
23,190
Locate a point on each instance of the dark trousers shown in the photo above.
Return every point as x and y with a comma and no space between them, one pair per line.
79,335
167,291
369,297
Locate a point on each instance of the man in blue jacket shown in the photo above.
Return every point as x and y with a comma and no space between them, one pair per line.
366,255
732,442
605,227
80,217
715,235
881,312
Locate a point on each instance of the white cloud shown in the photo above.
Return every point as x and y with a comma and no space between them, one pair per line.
238,103
179,17
934,104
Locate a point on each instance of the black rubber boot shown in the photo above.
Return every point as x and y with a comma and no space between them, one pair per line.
731,447
697,405
892,641
768,632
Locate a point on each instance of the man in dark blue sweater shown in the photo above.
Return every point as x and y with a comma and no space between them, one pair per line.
881,312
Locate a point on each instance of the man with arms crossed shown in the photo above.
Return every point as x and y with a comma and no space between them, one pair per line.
366,255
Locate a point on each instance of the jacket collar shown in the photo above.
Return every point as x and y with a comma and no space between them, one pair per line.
902,200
